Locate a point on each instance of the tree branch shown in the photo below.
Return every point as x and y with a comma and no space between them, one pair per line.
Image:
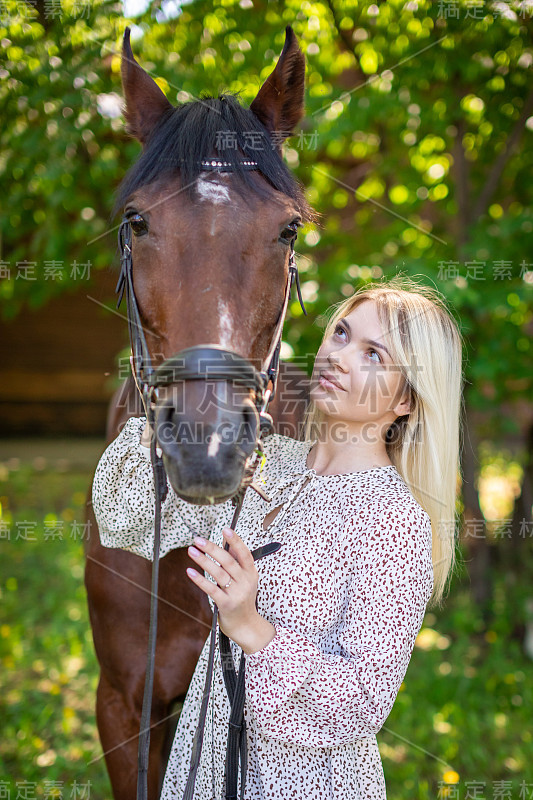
40,6
462,173
343,34
499,165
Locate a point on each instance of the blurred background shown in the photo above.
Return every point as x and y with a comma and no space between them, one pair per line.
416,149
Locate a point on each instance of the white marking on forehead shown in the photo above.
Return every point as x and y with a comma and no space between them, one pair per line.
213,191
226,324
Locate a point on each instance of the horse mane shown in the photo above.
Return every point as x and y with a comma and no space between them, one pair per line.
190,132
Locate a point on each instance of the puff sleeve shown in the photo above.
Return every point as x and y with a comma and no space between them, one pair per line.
299,694
123,497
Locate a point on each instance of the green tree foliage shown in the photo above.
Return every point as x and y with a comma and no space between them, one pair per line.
416,149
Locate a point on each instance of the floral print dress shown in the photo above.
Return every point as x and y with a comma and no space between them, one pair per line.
346,593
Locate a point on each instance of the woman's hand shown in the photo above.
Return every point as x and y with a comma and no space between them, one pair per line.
235,590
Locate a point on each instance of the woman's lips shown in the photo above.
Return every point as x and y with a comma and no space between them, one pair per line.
327,383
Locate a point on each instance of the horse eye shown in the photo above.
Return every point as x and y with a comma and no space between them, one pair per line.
138,224
289,233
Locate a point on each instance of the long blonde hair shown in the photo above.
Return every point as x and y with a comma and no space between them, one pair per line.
426,345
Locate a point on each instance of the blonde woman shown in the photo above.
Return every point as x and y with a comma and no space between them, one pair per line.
364,507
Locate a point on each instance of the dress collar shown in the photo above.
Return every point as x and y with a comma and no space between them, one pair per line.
296,468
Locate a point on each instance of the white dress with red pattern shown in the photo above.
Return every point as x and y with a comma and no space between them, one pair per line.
346,593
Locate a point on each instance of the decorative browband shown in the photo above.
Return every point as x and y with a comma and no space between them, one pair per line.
226,165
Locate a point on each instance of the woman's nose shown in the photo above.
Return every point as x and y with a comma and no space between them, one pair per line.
337,362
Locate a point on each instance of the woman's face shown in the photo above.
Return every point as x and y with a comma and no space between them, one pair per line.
364,383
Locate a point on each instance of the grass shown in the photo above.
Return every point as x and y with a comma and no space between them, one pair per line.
48,732
460,727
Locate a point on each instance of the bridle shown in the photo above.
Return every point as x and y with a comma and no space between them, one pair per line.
201,362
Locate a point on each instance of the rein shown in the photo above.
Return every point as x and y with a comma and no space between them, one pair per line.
201,362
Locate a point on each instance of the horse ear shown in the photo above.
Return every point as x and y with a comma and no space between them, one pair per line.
145,102
280,101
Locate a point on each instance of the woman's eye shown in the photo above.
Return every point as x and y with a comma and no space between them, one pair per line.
339,331
138,224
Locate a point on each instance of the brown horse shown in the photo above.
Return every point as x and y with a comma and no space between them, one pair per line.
210,255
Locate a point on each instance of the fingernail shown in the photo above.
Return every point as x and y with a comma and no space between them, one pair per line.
199,540
194,552
227,532
191,572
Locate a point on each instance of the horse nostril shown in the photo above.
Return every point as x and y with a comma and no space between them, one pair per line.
173,428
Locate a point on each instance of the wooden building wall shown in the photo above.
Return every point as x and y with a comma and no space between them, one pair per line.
58,362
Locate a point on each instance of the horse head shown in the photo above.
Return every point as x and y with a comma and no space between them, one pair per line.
211,213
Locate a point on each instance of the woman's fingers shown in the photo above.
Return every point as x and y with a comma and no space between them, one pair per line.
229,560
216,593
222,564
237,546
221,576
